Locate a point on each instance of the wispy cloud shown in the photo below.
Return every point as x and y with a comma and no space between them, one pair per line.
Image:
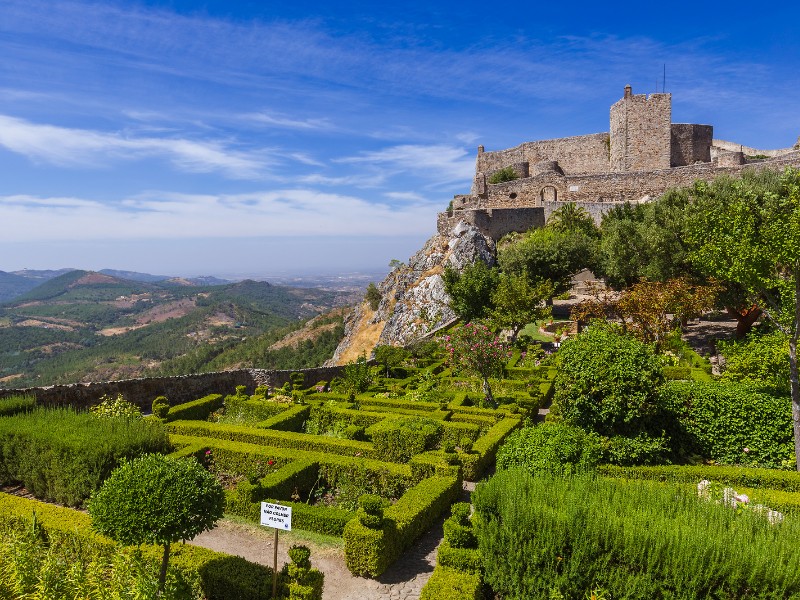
67,147
289,123
447,164
292,212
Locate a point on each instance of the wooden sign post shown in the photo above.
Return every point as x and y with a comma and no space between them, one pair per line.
278,517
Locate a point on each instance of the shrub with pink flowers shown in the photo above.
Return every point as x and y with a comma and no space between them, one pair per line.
476,350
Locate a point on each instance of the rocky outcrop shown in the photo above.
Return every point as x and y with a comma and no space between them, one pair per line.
413,300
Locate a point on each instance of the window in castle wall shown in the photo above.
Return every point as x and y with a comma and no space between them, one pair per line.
513,195
549,194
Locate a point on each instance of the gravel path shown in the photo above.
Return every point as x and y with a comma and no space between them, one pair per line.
404,580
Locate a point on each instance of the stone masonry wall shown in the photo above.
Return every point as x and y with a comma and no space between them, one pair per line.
596,193
493,223
579,154
691,143
178,389
641,132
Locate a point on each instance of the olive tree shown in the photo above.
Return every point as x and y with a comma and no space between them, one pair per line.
747,231
157,500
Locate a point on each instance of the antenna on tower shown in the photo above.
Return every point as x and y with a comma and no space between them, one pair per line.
664,80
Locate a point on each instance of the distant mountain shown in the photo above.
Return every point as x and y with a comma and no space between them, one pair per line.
12,285
90,326
134,276
41,275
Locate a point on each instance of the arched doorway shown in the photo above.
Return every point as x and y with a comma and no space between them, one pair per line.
549,194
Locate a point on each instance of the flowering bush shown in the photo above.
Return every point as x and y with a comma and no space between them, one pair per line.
475,349
116,407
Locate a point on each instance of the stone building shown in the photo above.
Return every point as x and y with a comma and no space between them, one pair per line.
643,154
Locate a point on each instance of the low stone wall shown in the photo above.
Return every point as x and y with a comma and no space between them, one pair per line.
179,389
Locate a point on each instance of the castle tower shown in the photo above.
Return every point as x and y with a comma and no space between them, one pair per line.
641,132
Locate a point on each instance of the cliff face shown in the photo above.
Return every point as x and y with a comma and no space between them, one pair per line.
413,300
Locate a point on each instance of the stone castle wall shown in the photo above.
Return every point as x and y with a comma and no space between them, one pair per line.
690,144
514,203
643,155
641,132
178,389
579,154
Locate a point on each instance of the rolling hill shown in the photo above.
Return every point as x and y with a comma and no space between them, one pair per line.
88,326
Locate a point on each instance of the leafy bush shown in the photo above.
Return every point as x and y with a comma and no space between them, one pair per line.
397,440
608,382
634,539
116,407
503,175
761,359
63,456
12,405
733,423
373,296
556,448
154,499
160,407
243,411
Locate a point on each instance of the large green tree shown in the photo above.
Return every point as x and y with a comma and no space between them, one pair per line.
548,253
518,301
645,240
747,231
470,290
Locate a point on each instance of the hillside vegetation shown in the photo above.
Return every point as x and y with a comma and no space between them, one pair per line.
88,326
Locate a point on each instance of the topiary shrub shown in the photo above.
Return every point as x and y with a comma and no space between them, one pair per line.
370,510
157,500
551,447
160,407
458,532
302,582
466,445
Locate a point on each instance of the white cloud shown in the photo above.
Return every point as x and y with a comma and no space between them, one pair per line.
67,147
405,196
291,212
289,123
446,164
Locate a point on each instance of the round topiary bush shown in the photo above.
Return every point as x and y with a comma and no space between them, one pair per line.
157,500
160,407
551,447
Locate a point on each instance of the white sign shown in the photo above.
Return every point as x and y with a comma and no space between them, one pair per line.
277,516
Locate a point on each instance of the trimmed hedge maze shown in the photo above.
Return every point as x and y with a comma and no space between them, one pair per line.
322,456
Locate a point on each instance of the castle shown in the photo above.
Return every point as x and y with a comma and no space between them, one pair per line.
643,154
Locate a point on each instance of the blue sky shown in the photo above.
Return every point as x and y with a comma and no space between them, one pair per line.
257,138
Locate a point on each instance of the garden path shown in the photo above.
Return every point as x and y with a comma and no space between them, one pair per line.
404,580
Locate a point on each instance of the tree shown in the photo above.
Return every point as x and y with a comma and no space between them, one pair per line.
747,231
571,217
476,349
653,309
470,290
645,240
373,296
157,500
390,357
547,253
357,376
517,302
